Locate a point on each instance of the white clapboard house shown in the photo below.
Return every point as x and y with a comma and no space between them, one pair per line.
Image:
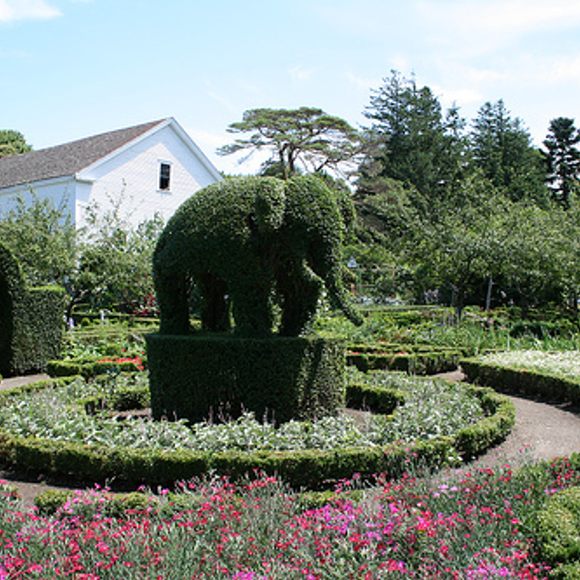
146,170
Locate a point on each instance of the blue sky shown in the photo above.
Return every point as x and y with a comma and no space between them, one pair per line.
72,68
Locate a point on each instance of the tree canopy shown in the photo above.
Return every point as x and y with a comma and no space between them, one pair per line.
304,139
12,143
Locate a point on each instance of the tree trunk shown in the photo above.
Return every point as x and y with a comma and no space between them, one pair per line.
488,294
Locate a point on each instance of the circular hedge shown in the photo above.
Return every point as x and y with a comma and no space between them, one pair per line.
311,468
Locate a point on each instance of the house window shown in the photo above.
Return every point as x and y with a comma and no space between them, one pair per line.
164,176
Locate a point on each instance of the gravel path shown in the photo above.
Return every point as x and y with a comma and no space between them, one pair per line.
541,431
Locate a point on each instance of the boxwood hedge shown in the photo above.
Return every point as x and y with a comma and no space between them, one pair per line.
313,469
522,381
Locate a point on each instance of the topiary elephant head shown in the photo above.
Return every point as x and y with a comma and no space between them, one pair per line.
254,241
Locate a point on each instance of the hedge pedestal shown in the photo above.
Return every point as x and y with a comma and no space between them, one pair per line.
196,377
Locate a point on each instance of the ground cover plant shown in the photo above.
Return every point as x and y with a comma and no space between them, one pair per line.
482,524
565,364
431,408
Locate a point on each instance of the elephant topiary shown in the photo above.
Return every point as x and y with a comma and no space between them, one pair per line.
254,242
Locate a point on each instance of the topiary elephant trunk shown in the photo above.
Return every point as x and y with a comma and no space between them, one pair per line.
253,242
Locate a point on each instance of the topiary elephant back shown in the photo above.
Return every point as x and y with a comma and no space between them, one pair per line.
253,242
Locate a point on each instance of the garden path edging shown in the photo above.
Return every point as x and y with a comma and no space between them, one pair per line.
541,431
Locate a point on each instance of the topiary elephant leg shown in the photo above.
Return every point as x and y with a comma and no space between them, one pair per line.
252,308
300,290
214,308
172,297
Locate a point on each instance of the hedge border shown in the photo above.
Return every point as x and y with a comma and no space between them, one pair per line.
88,368
420,363
310,469
531,383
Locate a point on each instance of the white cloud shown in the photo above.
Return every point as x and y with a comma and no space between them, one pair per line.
300,73
12,10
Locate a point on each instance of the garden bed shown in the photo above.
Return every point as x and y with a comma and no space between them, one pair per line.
102,459
479,525
547,375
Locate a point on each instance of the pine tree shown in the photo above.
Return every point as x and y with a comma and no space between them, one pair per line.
502,149
414,141
563,159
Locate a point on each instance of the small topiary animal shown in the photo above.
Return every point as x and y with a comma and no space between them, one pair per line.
254,241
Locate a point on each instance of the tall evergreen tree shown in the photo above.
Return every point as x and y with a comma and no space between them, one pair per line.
502,149
563,159
414,141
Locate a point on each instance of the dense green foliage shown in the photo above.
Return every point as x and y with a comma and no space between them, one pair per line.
194,377
559,527
12,143
106,265
31,323
460,213
252,242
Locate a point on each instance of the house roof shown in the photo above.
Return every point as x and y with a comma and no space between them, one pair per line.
67,159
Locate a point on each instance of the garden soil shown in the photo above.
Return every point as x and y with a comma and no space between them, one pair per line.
542,431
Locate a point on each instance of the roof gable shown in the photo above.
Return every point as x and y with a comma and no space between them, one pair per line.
67,159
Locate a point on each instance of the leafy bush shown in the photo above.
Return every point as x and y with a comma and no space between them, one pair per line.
559,527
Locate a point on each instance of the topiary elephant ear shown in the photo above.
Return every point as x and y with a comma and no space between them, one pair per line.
11,290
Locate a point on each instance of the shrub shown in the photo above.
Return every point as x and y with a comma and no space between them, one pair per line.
193,376
30,319
559,527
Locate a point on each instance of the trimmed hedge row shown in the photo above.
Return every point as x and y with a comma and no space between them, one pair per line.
123,399
295,378
424,363
522,381
88,368
31,320
376,399
313,469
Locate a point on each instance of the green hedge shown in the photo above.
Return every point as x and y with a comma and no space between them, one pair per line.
522,381
423,363
376,399
291,378
31,321
559,527
87,368
313,469
123,399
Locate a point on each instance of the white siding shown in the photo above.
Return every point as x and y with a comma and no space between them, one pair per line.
133,176
61,192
